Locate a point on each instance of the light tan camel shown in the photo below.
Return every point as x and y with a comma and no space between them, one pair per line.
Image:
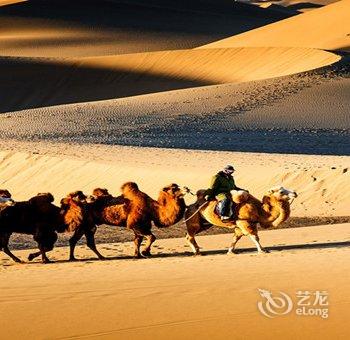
270,212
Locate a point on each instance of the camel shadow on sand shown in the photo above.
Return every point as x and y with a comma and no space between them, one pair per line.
272,249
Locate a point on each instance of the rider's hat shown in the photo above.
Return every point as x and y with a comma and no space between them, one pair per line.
229,168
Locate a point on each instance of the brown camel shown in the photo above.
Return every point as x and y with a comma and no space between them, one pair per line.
33,217
270,212
75,215
135,210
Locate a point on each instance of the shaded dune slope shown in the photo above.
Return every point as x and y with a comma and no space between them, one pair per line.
43,82
62,28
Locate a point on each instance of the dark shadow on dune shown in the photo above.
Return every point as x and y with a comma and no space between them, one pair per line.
303,5
27,83
306,140
196,22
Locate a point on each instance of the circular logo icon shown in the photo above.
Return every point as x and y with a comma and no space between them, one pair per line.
272,306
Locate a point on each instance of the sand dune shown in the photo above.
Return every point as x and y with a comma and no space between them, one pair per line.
218,65
324,28
321,181
304,113
212,296
62,28
42,82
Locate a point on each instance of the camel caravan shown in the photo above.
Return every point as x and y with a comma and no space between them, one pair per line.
80,215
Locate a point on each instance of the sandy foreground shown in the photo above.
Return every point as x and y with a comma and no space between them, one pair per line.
174,295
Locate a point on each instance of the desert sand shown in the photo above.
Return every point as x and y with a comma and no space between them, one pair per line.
175,295
96,93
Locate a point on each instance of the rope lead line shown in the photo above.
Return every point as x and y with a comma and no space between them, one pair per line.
187,219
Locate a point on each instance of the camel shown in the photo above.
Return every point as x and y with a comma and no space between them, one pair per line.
75,215
135,210
33,217
270,212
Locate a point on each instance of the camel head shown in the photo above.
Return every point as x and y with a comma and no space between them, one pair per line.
76,197
282,194
5,198
174,191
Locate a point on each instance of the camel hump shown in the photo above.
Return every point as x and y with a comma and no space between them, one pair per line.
201,194
239,196
42,198
98,192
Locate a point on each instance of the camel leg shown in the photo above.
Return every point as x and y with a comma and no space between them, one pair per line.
255,239
44,258
44,248
193,244
194,225
137,241
13,257
147,250
73,241
236,238
32,256
250,229
4,241
90,241
42,252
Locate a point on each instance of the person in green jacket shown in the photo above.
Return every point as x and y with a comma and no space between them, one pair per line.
220,189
